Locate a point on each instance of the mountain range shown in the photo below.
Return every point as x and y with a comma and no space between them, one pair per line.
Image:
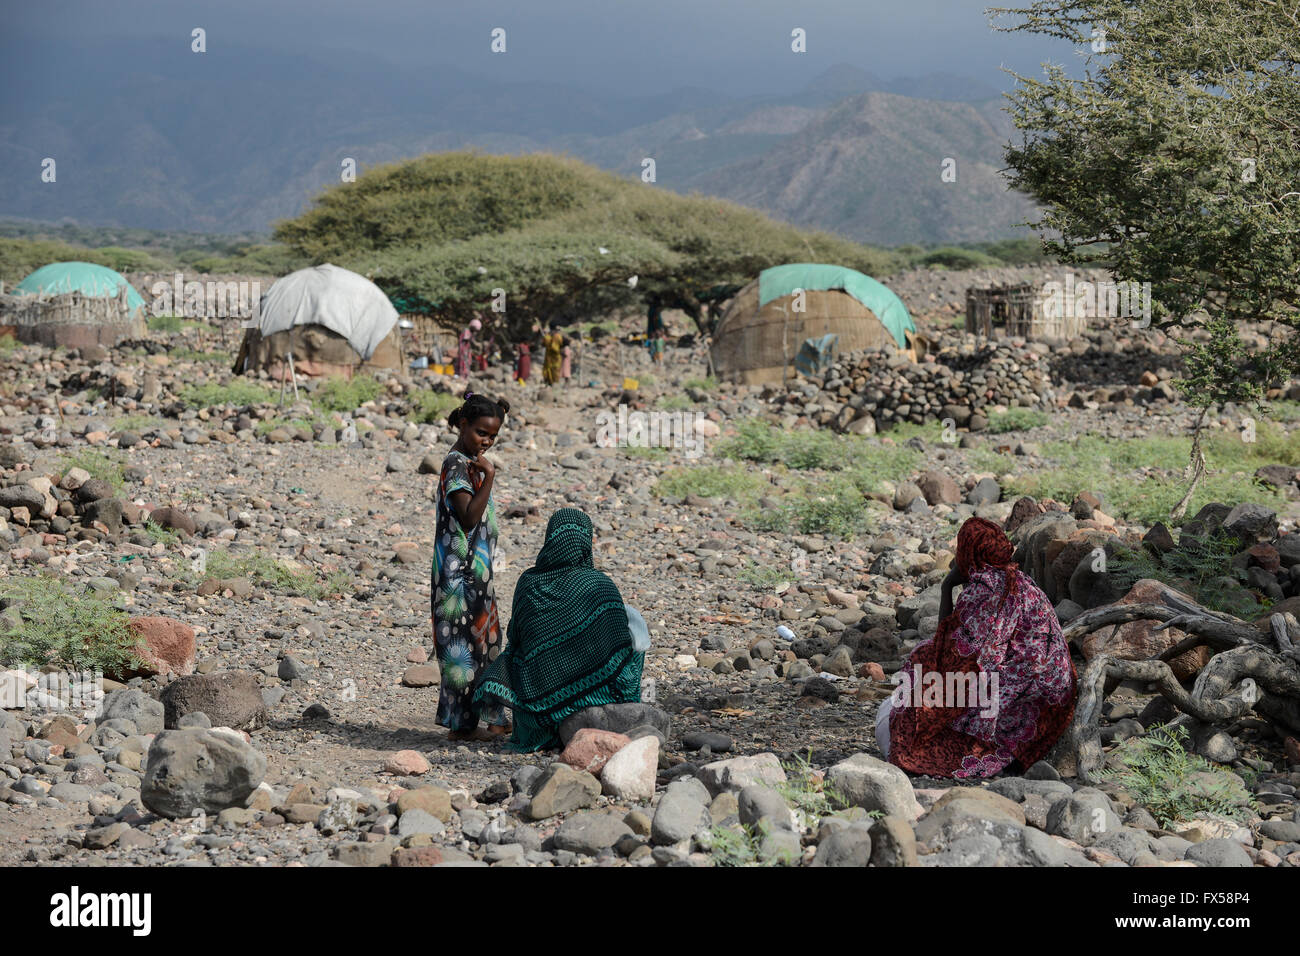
233,141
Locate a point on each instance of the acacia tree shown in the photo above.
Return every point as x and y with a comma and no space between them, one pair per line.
1176,157
456,235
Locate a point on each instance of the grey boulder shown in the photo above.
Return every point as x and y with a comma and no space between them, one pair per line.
194,770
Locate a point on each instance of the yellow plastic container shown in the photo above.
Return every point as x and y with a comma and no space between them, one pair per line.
630,385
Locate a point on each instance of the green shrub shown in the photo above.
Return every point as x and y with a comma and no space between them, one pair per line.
171,323
156,531
164,323
107,464
268,425
1017,420
7,344
674,403
239,392
342,395
60,625
950,257
194,355
1173,784
709,481
652,453
758,441
136,423
273,574
833,508
739,845
432,407
809,794
1141,478
866,461
762,576
703,384
735,845
1201,565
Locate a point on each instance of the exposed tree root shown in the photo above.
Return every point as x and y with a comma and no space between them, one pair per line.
1246,675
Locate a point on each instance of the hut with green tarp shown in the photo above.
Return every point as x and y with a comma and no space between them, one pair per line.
767,324
73,305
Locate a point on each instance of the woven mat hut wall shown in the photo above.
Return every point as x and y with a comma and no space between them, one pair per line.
753,346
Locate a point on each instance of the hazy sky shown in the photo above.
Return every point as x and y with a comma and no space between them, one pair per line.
735,46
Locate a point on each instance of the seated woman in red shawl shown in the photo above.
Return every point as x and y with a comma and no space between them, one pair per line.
995,687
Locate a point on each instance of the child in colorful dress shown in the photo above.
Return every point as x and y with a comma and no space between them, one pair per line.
466,628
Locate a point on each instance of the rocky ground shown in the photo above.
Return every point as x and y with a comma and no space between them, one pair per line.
768,648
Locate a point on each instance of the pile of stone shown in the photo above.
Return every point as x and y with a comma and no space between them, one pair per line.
161,785
878,388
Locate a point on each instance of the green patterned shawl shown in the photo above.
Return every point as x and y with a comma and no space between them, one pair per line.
568,646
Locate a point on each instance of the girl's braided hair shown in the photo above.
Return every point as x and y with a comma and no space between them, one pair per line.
478,406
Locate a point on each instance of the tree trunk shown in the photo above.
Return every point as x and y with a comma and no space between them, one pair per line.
1272,679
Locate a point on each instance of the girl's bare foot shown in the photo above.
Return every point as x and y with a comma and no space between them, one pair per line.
500,730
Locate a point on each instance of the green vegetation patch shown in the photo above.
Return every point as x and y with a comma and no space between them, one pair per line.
432,407
47,621
1142,479
1175,785
107,464
273,574
1202,568
238,391
710,481
1017,420
344,395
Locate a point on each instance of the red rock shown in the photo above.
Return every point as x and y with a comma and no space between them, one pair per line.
407,763
419,856
418,656
872,670
167,646
1139,640
1022,511
590,749
1266,556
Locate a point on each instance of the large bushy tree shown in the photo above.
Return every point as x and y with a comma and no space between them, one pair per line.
560,238
1176,157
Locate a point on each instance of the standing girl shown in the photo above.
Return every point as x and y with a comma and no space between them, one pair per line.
466,628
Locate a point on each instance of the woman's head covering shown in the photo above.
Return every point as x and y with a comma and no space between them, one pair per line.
476,325
982,544
568,541
568,644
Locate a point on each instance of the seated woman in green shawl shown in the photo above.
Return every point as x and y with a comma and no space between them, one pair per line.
568,645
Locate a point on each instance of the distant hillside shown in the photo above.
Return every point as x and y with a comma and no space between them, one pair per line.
233,142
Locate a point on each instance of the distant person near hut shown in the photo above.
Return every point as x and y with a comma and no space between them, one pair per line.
554,343
465,348
655,331
523,362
